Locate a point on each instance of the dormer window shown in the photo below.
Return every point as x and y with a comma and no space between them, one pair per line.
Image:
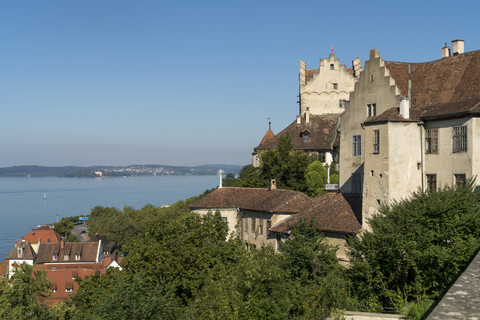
54,257
65,257
77,257
306,136
20,252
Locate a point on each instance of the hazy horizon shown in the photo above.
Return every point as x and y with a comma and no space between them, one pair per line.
120,82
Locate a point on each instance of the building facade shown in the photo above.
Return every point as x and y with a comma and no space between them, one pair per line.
410,126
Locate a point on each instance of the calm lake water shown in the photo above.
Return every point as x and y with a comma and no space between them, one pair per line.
23,207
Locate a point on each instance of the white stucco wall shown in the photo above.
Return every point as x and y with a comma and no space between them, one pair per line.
374,86
446,163
319,94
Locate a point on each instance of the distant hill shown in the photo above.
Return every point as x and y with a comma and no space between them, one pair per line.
131,170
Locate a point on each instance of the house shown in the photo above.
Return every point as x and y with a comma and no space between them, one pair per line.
314,134
336,215
261,216
322,96
251,212
21,253
410,126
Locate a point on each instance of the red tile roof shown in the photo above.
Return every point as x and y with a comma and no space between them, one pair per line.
43,234
254,199
333,212
268,135
63,277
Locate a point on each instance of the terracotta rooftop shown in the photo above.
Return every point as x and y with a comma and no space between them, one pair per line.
333,212
268,135
321,131
43,234
254,199
86,250
63,277
442,87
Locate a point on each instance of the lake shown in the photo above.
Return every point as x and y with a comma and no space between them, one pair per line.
28,202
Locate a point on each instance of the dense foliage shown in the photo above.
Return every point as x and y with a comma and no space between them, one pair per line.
180,265
296,170
64,228
416,247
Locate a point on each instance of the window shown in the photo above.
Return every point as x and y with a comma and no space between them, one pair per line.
332,66
459,139
431,141
356,183
54,257
260,226
357,145
376,141
460,180
224,219
321,156
342,103
253,225
431,182
246,225
68,290
65,257
371,110
77,257
335,86
305,135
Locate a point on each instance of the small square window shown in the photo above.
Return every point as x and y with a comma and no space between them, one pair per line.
224,219
342,103
335,86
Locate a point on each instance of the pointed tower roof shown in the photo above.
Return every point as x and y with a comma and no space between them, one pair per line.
268,135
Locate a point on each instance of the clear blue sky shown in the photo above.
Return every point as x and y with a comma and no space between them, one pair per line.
186,82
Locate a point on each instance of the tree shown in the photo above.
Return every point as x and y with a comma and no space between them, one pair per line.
416,247
316,178
22,297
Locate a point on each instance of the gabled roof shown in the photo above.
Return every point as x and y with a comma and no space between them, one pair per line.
254,199
87,251
43,234
333,212
321,130
447,86
27,252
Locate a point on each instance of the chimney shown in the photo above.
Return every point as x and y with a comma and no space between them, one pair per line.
458,47
357,67
405,107
62,243
273,184
307,115
445,51
299,119
302,76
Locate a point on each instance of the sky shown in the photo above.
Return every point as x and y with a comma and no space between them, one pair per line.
116,82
